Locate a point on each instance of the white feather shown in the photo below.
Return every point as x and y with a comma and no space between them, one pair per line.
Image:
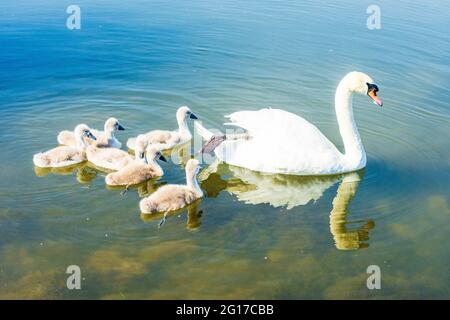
281,142
202,131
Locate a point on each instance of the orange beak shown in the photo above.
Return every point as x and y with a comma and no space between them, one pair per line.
373,95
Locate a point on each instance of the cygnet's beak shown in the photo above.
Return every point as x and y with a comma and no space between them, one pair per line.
162,158
193,116
120,127
90,135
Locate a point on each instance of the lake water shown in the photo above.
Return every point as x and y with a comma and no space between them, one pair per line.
253,236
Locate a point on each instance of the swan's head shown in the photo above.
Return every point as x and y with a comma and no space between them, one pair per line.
113,125
154,153
140,146
83,130
184,112
192,168
361,83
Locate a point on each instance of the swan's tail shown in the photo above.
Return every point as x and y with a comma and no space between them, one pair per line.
41,160
147,206
131,143
109,179
202,131
66,138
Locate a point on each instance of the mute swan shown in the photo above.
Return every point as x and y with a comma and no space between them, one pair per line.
112,158
105,138
138,171
283,142
64,156
173,197
164,139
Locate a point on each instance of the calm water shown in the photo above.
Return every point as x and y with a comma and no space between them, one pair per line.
253,236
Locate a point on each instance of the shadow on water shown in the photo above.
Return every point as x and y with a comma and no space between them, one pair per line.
289,192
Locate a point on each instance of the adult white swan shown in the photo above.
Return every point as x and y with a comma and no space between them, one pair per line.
283,142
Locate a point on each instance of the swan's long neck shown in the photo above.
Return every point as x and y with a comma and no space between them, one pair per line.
192,183
156,166
109,132
80,141
183,128
354,149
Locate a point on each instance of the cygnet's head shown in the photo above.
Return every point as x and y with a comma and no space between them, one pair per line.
113,125
154,153
83,130
184,112
361,83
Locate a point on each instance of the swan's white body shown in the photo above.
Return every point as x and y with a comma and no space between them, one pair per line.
59,157
137,171
108,158
165,139
116,159
65,156
285,143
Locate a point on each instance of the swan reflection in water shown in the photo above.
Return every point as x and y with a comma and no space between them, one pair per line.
83,172
193,218
251,187
291,191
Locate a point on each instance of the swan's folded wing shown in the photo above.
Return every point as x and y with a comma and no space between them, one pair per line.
261,122
131,142
282,142
160,136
